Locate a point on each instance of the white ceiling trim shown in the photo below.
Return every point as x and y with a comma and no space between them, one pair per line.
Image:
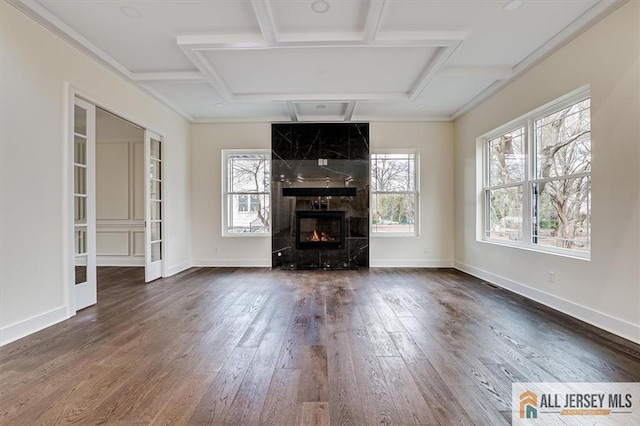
174,77
375,14
319,97
440,60
293,112
348,114
222,120
194,46
264,15
448,41
591,17
497,72
166,101
50,21
211,75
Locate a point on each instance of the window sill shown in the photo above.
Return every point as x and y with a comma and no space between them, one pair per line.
393,234
248,235
554,252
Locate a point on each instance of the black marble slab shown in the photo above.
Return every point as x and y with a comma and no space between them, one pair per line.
344,180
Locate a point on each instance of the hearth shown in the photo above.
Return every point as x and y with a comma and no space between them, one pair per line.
320,230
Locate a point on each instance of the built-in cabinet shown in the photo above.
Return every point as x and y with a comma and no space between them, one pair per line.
120,202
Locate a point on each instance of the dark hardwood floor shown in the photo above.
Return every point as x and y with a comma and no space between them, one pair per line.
260,346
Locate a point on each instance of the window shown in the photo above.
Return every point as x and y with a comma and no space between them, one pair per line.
246,186
537,180
394,193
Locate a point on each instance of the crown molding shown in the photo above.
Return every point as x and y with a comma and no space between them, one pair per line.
587,20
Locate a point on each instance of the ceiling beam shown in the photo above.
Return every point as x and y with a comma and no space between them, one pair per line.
438,62
348,114
267,24
319,97
495,71
374,18
292,111
175,77
207,70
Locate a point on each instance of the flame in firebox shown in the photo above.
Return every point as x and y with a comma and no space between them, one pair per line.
319,236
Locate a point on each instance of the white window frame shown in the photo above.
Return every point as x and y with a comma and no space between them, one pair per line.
415,193
528,122
226,153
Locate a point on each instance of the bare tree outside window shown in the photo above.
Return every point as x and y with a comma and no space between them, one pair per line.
506,155
393,193
562,189
550,189
247,177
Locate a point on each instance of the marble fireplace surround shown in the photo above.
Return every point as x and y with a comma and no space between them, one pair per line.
320,167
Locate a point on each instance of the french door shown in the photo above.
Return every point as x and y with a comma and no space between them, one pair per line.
83,228
154,250
84,215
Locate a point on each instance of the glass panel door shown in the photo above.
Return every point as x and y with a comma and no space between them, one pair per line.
154,184
83,193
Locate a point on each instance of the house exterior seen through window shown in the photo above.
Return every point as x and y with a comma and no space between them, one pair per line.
246,198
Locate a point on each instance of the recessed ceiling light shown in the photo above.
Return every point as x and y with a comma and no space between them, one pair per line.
512,5
320,6
321,106
131,12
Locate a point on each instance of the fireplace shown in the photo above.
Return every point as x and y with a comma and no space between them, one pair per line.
319,229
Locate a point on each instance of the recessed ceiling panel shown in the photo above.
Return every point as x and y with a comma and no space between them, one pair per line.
141,35
250,111
394,111
196,99
321,70
331,16
508,37
453,15
446,95
321,111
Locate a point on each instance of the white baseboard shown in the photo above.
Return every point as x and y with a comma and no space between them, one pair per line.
29,326
601,320
119,261
175,269
401,263
243,263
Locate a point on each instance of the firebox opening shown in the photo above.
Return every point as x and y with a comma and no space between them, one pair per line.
319,229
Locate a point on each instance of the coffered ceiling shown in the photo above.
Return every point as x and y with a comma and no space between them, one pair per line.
319,60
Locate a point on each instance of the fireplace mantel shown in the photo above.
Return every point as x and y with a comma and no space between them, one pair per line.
339,191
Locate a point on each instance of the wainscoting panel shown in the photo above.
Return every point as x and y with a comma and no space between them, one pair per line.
120,202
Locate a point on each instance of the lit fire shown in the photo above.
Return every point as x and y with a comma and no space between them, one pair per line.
319,236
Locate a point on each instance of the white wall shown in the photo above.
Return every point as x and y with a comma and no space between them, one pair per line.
35,64
435,144
606,290
209,247
434,140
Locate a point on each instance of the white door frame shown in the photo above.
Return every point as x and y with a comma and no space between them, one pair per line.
153,269
83,294
71,93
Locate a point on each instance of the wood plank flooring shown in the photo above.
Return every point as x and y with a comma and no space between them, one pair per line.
256,346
